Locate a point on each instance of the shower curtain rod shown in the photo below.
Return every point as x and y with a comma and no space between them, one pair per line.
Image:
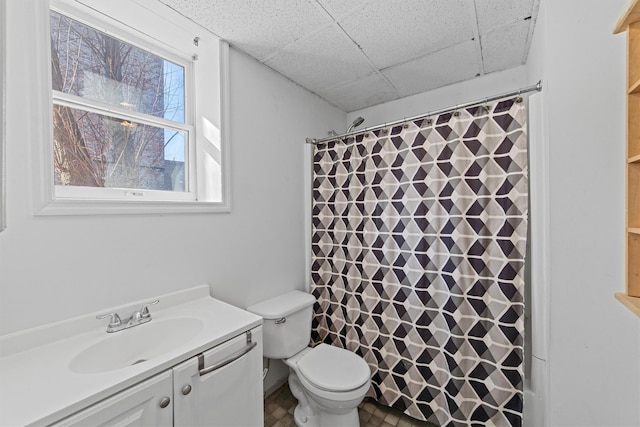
535,88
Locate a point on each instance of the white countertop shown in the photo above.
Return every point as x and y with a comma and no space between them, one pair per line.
37,386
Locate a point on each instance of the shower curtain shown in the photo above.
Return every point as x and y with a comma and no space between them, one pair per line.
418,241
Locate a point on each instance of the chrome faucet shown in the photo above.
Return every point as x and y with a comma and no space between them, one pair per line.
137,318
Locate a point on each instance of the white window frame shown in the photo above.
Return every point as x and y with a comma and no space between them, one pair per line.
173,37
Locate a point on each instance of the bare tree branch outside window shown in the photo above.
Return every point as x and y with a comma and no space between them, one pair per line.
93,148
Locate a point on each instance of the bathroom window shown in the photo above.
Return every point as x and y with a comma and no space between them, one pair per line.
126,125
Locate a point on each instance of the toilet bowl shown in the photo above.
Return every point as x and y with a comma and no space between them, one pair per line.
329,382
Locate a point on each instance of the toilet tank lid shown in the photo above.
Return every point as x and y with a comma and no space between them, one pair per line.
282,305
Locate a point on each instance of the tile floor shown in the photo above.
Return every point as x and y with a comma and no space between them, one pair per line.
279,406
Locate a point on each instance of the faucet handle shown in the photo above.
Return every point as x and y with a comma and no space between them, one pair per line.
114,321
144,311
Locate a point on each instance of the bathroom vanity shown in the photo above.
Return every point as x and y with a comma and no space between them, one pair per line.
198,361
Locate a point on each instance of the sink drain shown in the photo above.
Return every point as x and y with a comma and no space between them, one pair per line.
138,361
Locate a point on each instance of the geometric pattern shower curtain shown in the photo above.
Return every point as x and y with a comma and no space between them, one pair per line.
418,240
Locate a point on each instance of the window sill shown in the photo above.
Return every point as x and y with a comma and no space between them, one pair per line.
115,207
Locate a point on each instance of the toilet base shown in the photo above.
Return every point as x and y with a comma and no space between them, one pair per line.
309,414
325,420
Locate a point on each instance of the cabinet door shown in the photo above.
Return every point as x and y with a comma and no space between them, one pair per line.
139,405
222,386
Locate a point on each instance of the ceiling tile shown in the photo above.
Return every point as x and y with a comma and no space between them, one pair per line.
341,8
368,91
331,47
259,28
441,68
505,47
496,13
326,59
392,32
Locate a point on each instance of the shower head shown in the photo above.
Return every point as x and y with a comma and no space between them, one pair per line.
332,133
357,122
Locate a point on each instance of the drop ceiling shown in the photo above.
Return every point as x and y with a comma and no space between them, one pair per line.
359,53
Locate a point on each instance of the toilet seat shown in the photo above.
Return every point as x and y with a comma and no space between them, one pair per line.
333,369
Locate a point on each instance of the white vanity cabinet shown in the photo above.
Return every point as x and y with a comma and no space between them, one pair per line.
192,364
219,387
145,404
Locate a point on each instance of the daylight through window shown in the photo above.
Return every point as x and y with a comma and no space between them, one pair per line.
120,119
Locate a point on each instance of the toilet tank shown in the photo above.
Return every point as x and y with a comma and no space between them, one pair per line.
287,323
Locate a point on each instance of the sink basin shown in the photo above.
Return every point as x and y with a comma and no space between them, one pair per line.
135,345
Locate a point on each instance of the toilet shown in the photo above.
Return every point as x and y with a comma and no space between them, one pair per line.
329,382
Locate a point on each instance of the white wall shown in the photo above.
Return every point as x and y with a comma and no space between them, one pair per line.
53,268
594,348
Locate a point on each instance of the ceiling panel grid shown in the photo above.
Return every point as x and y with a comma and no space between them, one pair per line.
360,53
